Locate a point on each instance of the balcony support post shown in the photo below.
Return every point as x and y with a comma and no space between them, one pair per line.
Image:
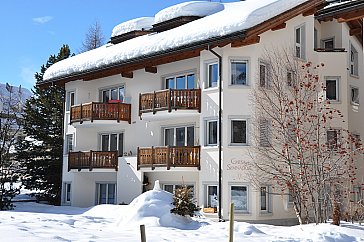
79,159
153,103
81,119
118,118
168,160
90,160
153,157
138,159
92,112
170,98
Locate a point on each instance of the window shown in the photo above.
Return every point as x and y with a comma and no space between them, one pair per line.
69,143
171,187
354,61
238,132
106,193
70,100
113,142
115,94
211,196
239,196
264,199
212,74
332,139
67,192
332,91
356,143
179,136
328,43
291,78
264,133
355,95
263,75
185,81
300,42
211,132
315,38
239,72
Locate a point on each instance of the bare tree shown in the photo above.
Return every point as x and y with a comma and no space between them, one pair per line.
94,38
296,145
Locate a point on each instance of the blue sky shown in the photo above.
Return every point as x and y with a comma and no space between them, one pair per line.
33,30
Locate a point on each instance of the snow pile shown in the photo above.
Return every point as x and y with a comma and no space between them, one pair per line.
152,208
235,17
144,23
194,8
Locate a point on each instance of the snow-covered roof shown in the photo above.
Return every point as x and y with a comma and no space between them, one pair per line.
236,16
194,8
143,23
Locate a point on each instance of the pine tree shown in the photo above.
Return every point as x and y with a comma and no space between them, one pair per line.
41,153
183,202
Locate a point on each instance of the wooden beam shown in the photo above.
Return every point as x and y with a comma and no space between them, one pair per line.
355,31
127,74
244,42
358,14
151,69
309,12
278,27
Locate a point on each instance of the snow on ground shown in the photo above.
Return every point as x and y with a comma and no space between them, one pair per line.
38,222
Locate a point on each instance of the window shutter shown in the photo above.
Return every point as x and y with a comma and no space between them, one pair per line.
264,133
303,42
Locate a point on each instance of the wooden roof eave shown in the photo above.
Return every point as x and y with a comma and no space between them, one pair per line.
190,50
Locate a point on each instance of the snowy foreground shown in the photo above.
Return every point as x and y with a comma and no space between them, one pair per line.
37,222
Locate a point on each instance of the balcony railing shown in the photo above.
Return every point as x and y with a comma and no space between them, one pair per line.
170,99
170,156
101,111
93,159
330,49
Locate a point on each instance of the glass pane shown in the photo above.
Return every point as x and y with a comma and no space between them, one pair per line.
263,198
114,94
104,142
105,96
169,137
170,83
168,188
180,136
113,142
213,75
212,199
331,90
121,94
329,44
121,144
239,198
181,82
238,131
298,35
72,98
191,81
102,194
212,135
190,136
111,193
238,73
68,192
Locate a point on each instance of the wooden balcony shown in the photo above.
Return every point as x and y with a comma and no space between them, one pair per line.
170,156
93,160
101,111
170,99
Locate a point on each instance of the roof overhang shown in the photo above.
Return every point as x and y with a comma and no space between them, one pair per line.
236,39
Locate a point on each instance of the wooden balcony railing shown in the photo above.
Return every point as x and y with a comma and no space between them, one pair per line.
101,111
170,156
92,159
170,99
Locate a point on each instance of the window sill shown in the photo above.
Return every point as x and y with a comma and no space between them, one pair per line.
243,213
210,147
238,86
334,101
265,214
232,145
210,89
354,76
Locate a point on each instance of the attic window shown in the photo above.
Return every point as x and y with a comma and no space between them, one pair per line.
131,29
173,23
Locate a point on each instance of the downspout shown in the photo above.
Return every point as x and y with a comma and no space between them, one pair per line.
220,132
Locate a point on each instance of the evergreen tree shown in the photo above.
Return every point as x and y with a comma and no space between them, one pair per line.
183,202
41,153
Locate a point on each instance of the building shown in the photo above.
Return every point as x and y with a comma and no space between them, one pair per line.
145,107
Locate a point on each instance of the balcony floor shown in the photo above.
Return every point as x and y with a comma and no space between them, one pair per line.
165,115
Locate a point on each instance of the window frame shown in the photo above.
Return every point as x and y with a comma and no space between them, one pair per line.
266,67
120,153
208,75
326,40
207,202
354,61
231,143
175,185
98,184
330,144
268,199
175,134
264,135
302,44
70,99
109,89
207,132
67,192
247,72
337,88
242,211
352,101
69,146
175,76
293,81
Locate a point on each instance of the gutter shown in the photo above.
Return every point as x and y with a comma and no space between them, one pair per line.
220,131
337,9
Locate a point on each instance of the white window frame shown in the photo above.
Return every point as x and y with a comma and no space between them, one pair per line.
67,192
207,125
264,134
302,42
175,76
354,100
293,81
109,89
266,84
69,102
107,192
174,134
175,184
337,80
337,143
354,61
247,210
268,199
206,198
231,143
69,146
207,65
324,41
247,66
120,153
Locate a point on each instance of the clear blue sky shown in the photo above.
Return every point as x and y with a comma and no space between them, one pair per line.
32,30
